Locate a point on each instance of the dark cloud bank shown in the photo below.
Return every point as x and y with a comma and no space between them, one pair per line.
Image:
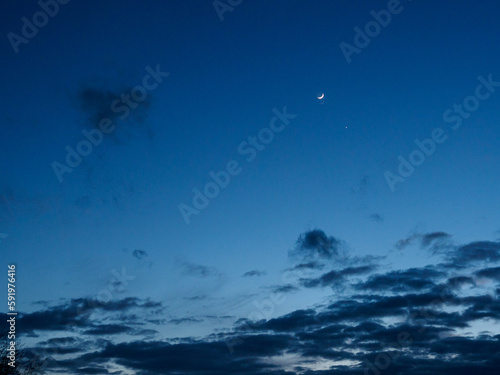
414,321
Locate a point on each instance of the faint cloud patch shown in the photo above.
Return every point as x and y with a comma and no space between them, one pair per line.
98,103
185,320
197,270
139,254
3,236
377,218
308,266
254,273
316,244
285,289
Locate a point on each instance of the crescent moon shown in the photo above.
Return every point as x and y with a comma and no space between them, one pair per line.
321,96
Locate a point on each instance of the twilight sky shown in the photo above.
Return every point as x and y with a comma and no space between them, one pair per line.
178,200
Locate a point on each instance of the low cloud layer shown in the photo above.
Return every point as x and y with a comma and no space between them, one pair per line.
407,321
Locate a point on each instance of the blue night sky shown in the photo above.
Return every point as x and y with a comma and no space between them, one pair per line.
274,187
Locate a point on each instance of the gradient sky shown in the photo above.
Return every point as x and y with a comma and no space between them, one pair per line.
323,176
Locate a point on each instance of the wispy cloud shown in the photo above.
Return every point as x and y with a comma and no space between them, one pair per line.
376,217
434,241
98,103
197,270
254,273
139,254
